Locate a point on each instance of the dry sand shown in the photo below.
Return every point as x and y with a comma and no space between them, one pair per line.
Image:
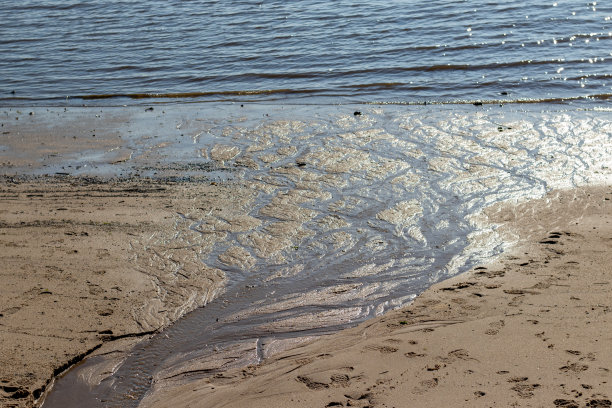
531,329
90,267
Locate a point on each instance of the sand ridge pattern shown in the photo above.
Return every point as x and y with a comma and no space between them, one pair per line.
89,266
530,329
340,216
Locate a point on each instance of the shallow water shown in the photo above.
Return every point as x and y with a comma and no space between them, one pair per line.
311,51
354,214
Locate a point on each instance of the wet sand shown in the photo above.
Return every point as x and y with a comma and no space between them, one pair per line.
319,223
90,266
530,329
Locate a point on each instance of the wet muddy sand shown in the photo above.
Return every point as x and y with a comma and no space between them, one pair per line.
286,223
90,266
530,329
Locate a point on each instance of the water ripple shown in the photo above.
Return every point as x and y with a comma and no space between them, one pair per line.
71,47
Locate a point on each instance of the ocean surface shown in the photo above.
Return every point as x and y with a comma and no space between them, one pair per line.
362,201
308,51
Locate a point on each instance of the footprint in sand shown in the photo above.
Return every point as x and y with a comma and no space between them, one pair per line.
482,272
426,385
381,349
311,384
412,354
320,381
464,304
588,357
430,383
457,286
525,390
452,356
574,368
543,285
600,403
10,310
340,380
565,403
358,399
435,367
459,354
522,388
495,327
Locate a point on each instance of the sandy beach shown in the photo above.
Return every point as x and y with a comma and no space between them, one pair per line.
531,329
305,204
90,266
299,228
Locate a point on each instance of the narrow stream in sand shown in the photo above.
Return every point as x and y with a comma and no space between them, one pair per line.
355,214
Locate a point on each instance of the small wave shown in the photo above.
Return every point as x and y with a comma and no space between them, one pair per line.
402,69
377,85
602,97
317,92
186,95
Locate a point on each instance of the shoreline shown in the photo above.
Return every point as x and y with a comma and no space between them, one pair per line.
529,329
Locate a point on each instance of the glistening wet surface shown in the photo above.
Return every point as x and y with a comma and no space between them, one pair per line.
355,210
346,51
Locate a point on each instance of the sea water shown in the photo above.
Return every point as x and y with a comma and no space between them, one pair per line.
313,51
